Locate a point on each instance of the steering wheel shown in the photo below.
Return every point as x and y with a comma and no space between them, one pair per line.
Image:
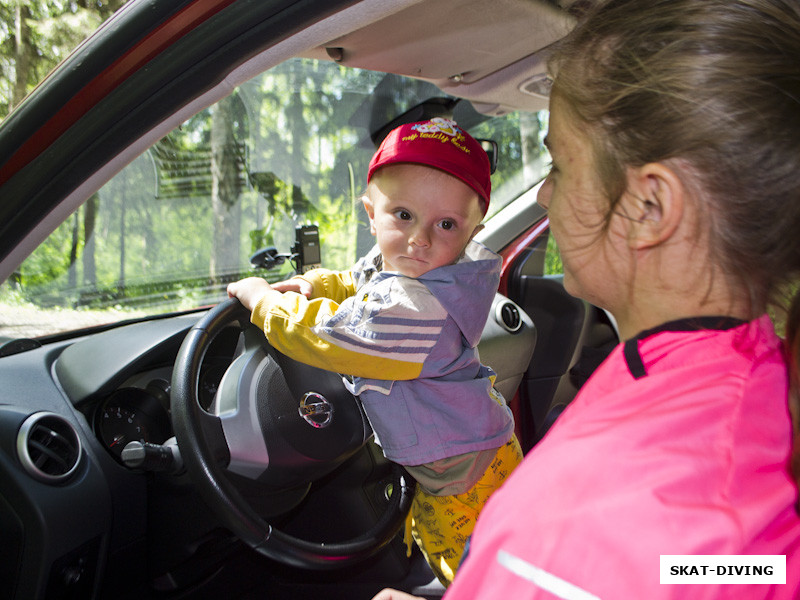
278,422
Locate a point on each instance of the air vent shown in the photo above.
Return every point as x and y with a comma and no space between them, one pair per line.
48,447
507,314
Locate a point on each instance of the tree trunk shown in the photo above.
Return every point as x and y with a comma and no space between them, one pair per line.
299,133
529,130
225,189
89,244
121,281
24,54
72,273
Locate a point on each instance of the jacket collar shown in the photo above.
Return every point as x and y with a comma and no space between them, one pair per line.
633,357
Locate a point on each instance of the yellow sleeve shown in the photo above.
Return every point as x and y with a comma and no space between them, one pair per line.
289,323
335,285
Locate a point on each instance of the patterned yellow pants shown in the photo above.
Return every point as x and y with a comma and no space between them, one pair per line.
441,525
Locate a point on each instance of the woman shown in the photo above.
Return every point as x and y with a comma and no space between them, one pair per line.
675,201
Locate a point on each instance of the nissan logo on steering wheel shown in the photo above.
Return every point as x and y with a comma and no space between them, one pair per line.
316,410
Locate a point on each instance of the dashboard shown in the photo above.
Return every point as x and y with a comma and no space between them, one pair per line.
103,526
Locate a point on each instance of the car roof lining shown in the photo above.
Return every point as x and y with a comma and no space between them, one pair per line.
409,41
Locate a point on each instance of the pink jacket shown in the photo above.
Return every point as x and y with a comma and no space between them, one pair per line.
678,444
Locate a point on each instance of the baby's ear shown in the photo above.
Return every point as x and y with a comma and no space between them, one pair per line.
365,199
370,208
476,230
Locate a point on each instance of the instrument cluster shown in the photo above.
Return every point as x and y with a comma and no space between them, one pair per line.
139,410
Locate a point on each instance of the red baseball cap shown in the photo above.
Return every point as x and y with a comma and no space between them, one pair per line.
438,143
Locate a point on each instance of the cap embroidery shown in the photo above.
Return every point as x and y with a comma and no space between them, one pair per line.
438,124
439,128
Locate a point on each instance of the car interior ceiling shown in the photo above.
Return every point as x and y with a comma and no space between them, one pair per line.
496,78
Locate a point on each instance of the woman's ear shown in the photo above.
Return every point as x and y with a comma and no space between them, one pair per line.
654,205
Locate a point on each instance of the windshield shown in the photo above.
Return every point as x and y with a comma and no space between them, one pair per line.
288,149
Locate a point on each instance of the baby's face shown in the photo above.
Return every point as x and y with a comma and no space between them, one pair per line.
422,217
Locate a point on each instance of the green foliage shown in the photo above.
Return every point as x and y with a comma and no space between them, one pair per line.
552,258
338,220
50,260
36,36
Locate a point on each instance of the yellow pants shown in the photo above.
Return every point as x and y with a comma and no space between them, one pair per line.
441,525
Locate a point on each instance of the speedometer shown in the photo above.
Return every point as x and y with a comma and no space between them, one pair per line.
120,425
130,414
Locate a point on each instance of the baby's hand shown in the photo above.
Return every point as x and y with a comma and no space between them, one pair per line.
389,594
301,286
249,291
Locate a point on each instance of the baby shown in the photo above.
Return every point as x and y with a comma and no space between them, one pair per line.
403,324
